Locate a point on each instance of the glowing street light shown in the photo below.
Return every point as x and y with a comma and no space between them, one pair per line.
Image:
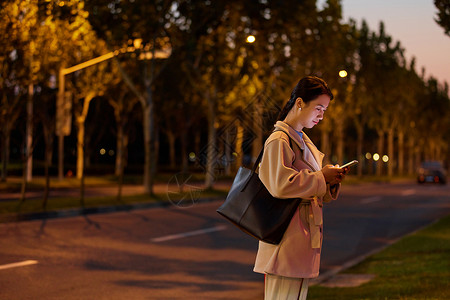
251,39
342,73
376,157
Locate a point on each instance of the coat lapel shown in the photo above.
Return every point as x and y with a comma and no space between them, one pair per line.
317,156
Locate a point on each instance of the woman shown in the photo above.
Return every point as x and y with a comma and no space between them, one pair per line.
291,167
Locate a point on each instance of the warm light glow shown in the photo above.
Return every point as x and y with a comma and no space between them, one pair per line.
342,73
192,156
368,155
137,43
385,158
251,39
376,157
102,151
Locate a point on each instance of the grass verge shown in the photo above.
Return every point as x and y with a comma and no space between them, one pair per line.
416,267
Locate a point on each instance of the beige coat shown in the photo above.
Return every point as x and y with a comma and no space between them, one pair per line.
290,173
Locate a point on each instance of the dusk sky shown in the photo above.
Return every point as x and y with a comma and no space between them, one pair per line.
412,23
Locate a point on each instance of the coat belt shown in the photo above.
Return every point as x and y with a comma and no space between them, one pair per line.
315,220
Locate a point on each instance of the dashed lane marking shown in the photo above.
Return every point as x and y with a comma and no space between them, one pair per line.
186,234
18,264
370,199
408,192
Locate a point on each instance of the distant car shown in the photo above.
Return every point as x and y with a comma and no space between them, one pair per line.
432,171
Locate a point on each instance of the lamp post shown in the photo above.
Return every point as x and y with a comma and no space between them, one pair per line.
63,114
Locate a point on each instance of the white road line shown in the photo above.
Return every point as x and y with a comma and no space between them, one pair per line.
408,192
370,199
18,264
186,234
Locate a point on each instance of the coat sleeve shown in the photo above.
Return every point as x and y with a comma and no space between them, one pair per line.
332,193
282,180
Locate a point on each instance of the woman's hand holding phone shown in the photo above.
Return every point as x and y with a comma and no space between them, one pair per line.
333,174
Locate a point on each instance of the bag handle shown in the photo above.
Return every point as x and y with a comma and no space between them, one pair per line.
258,160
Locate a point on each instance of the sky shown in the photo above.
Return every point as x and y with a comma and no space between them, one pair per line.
412,23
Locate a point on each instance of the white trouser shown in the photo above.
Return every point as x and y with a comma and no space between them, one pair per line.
285,288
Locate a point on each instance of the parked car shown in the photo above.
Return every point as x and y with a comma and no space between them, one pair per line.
432,171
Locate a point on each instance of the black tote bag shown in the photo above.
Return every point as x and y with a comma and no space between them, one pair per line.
251,207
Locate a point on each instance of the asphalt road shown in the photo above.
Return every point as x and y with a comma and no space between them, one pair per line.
192,253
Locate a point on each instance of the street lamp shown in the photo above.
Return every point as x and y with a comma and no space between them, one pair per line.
251,39
63,127
342,73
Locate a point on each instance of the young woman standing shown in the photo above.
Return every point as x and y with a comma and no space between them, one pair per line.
291,167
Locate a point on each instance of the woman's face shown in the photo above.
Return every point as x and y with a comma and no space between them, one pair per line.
312,112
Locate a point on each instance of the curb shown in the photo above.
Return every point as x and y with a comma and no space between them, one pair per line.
74,212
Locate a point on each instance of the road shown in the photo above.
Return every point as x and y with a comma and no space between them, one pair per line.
191,253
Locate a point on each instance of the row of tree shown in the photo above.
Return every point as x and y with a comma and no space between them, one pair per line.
215,89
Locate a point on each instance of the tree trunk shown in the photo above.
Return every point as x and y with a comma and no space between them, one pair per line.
325,145
401,153
410,155
29,134
120,149
5,153
122,144
379,170
171,139
48,162
227,150
339,133
149,146
80,148
197,141
239,142
155,156
60,156
147,153
391,162
258,124
80,123
82,189
359,149
23,187
184,154
211,153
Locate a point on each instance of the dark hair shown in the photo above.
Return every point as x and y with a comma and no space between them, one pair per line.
308,88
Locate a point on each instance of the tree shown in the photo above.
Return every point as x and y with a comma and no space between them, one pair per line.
12,72
443,16
213,49
123,104
121,23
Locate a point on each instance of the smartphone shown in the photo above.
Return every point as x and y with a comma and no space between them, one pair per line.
349,164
